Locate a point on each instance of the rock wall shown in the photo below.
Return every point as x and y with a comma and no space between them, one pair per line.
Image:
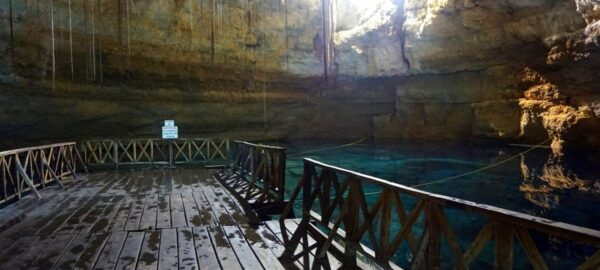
401,70
508,70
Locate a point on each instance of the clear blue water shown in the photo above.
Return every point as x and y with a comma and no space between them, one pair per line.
533,184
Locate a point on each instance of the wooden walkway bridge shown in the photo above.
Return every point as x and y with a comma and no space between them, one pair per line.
151,216
136,219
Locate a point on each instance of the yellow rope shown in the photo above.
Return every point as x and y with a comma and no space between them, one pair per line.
475,171
329,148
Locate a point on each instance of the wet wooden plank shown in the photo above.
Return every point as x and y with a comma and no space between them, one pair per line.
73,252
14,213
241,248
149,215
207,216
110,253
264,244
178,219
92,251
219,210
205,252
20,246
120,219
275,228
191,210
150,251
64,221
27,256
135,217
187,250
229,205
36,220
104,220
223,248
91,216
51,253
131,250
168,256
163,219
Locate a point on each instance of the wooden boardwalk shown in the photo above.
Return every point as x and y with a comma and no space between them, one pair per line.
136,219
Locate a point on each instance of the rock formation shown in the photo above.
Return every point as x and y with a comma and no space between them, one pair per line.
400,70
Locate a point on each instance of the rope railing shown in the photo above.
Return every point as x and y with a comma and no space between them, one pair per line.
342,221
30,169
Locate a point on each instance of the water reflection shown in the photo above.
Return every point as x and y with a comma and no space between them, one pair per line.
537,183
542,182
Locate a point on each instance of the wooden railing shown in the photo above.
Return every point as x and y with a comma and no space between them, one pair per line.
257,173
143,151
335,212
29,169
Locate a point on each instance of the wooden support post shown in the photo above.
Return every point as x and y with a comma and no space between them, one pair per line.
434,245
384,230
351,221
171,158
504,247
115,154
26,177
69,166
52,173
85,169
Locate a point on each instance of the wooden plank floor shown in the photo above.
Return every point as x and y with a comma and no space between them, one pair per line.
136,219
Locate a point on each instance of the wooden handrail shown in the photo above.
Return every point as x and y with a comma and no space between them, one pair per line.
149,151
262,145
262,168
348,209
32,168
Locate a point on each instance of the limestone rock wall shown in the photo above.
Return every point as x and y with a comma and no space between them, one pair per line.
401,70
508,70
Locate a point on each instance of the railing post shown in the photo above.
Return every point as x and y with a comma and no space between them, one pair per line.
351,221
384,230
171,161
433,260
282,164
116,153
503,248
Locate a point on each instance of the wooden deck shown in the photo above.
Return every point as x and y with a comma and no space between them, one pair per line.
137,219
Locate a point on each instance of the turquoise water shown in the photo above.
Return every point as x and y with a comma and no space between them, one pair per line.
534,184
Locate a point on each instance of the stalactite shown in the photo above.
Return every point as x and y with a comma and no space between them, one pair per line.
128,39
38,14
189,64
287,41
244,6
325,6
100,41
191,11
328,44
53,50
93,43
264,60
71,42
87,59
12,35
120,33
212,33
221,18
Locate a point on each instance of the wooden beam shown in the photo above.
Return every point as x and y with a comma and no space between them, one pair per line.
26,178
52,173
504,247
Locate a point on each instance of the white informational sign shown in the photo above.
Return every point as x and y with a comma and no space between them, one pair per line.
170,130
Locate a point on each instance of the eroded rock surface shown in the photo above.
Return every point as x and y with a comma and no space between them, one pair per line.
401,70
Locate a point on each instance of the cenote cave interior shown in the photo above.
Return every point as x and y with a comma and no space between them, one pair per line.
299,134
